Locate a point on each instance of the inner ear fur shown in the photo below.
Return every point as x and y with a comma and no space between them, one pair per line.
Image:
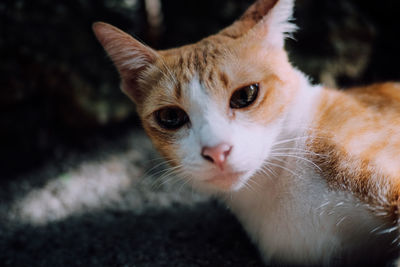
266,19
130,56
249,19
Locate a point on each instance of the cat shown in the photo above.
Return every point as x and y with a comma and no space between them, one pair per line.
312,173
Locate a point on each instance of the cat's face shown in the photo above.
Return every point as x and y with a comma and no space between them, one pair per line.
214,109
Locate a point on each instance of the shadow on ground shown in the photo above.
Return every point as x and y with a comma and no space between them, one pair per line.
203,235
102,207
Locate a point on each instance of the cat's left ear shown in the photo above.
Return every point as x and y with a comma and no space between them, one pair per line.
274,27
129,56
265,20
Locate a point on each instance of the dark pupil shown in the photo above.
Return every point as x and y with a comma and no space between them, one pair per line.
171,118
244,96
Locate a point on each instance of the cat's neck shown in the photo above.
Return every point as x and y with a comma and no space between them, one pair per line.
302,110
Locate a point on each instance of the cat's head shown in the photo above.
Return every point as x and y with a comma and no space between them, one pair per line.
214,108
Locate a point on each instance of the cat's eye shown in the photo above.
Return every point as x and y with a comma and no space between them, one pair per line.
244,96
171,118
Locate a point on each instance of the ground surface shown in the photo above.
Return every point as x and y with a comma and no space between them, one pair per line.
100,208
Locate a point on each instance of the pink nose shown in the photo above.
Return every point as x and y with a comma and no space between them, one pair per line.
217,154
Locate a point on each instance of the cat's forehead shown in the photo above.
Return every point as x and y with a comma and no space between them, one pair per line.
217,63
205,60
177,70
217,66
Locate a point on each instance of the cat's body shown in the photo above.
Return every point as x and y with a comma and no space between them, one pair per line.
314,218
305,222
311,173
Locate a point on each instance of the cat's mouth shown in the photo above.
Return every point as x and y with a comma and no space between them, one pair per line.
225,181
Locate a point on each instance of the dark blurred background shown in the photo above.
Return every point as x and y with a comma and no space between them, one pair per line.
58,88
72,150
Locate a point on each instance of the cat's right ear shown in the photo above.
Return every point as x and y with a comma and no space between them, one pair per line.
129,56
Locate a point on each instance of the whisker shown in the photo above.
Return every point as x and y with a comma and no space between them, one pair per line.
282,167
267,171
174,81
169,75
164,171
297,151
291,140
168,179
297,157
147,174
248,186
186,180
389,230
168,69
166,175
156,166
254,182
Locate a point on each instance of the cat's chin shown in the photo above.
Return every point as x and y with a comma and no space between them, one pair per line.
231,181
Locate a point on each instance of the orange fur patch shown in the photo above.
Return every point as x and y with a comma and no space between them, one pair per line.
354,129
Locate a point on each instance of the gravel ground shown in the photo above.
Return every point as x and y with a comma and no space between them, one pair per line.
110,207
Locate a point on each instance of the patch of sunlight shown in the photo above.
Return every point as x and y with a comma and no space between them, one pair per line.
114,183
92,185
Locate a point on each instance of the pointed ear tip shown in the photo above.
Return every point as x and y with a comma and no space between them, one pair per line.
98,25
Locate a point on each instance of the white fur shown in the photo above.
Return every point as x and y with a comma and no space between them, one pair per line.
210,126
302,107
294,217
281,15
290,212
278,21
299,220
